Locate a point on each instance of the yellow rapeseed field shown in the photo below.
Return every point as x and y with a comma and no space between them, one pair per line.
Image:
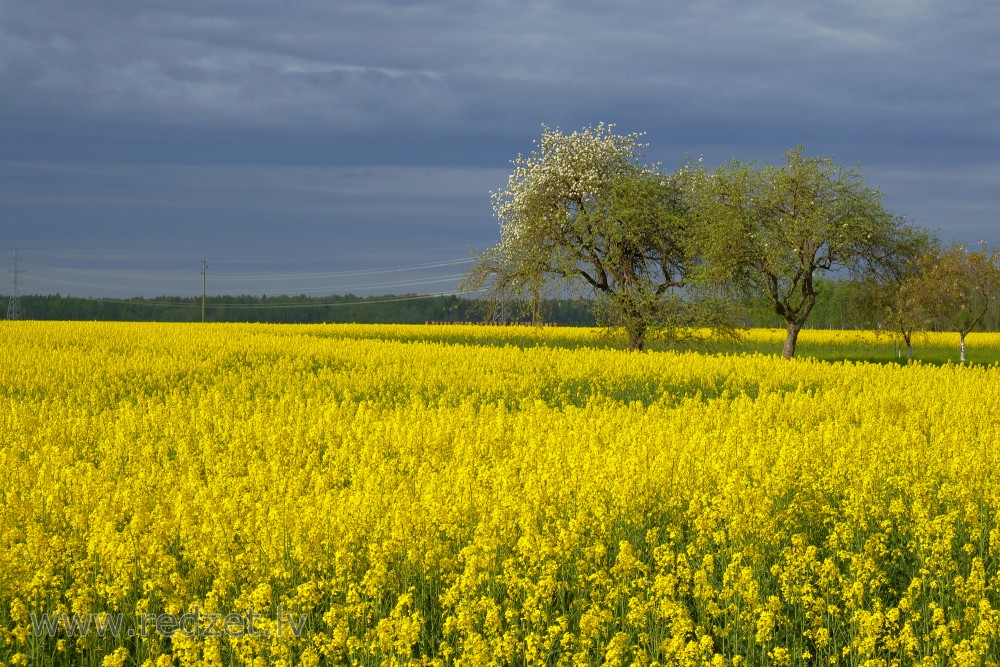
383,495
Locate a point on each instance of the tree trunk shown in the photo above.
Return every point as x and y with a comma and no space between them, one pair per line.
788,351
961,346
636,337
908,338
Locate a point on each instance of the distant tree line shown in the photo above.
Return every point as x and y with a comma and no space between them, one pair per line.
394,309
839,305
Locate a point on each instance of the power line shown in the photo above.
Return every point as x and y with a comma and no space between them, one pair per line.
260,276
319,283
179,258
269,306
316,290
356,272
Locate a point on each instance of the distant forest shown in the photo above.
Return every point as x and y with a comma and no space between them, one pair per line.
834,310
390,309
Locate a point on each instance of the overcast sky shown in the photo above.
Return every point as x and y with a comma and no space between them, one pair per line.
332,146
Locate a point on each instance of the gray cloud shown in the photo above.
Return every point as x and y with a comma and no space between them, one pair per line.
363,64
271,222
269,127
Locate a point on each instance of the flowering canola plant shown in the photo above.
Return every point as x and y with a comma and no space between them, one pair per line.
483,496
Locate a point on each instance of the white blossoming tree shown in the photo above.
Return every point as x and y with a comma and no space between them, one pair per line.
584,211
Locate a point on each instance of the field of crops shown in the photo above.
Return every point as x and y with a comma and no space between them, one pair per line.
482,496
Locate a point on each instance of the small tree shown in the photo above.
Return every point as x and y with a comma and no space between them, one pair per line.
887,303
510,283
768,231
954,289
583,211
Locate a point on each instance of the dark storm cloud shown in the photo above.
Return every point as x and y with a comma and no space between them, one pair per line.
374,131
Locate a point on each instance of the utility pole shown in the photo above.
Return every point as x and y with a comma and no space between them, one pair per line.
14,305
500,314
204,270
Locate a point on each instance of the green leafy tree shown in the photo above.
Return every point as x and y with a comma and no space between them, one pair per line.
582,211
768,233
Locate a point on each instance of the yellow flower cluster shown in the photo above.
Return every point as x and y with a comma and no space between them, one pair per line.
388,495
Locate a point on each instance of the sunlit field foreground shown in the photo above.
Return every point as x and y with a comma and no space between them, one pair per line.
481,496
